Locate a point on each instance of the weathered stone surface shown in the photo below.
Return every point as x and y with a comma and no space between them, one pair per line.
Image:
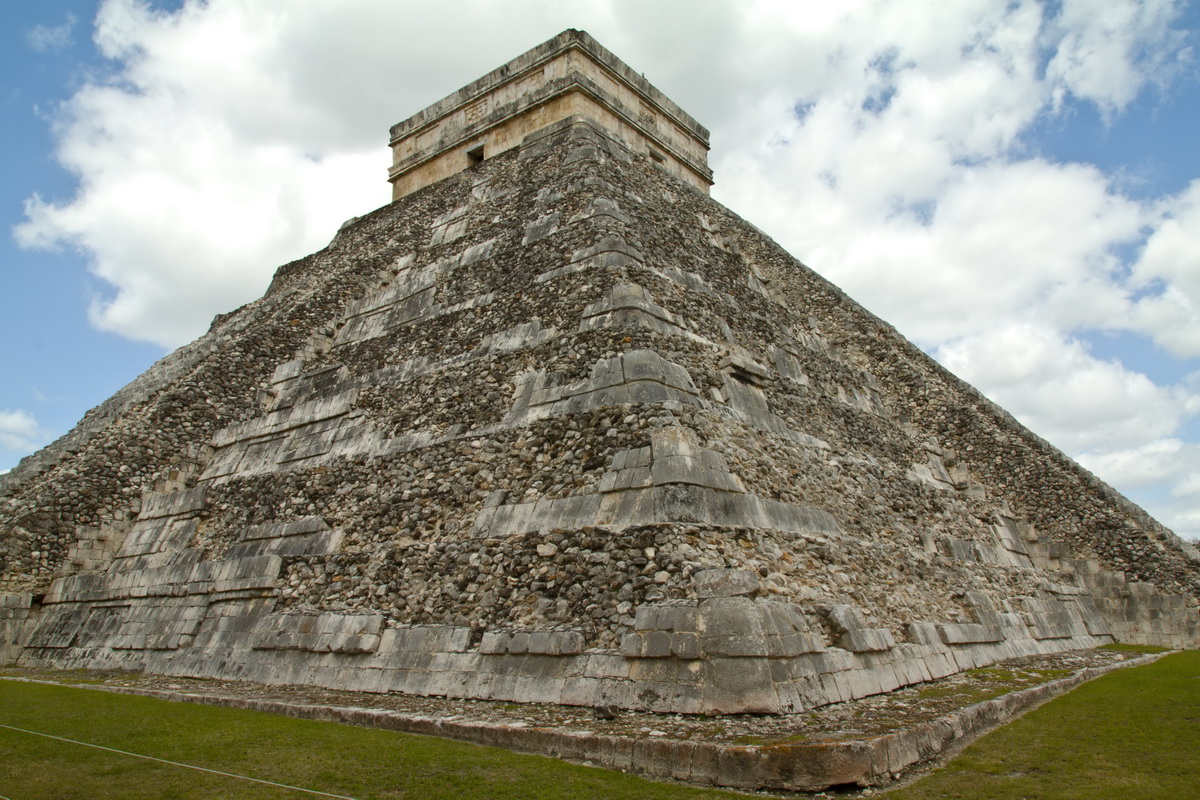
561,428
725,583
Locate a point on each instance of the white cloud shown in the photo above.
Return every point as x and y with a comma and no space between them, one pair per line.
44,38
235,135
1162,474
996,247
1108,50
206,235
1169,270
198,162
1057,388
19,431
1145,465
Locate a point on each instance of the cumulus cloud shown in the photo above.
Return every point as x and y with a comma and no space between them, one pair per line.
233,136
44,38
1147,464
1106,51
1162,474
224,142
1062,392
1168,272
19,431
999,240
884,142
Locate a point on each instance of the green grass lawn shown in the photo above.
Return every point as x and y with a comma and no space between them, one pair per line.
338,759
1134,733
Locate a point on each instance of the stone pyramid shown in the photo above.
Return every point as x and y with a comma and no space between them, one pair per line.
555,426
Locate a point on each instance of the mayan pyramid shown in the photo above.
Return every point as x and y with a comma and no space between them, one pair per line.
554,426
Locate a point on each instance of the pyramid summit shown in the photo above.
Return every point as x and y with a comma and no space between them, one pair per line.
555,426
569,75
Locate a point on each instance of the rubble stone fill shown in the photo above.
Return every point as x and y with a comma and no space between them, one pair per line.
561,428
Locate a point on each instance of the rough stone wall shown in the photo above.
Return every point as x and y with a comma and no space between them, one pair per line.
562,428
1003,458
162,422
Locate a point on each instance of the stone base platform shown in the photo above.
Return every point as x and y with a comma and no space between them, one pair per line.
868,742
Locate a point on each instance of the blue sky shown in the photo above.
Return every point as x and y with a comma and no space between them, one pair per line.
55,364
1014,185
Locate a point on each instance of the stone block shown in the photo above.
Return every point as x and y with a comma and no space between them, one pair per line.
679,378
969,633
710,583
866,640
648,392
155,504
21,600
730,616
604,665
685,645
658,670
800,519
783,619
666,618
646,619
638,457
845,618
656,644
565,643
983,609
738,686
356,643
793,644
634,478
631,645
580,691
680,503
676,469
736,646
1093,620
680,618
726,508
643,365
673,442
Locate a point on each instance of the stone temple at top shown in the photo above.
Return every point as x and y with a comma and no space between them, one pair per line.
569,76
555,426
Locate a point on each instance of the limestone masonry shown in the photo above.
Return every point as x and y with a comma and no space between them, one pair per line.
556,426
570,75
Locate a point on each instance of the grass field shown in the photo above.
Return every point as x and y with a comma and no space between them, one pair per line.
1134,733
337,759
1129,735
